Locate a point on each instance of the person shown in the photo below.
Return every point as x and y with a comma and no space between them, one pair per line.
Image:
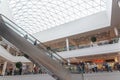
95,67
35,43
82,66
78,67
35,69
107,67
89,67
24,67
20,71
26,36
118,67
40,70
10,70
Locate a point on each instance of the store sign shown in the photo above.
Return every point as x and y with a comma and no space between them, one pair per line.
98,61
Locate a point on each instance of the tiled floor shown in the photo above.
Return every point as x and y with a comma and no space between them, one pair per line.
98,76
28,77
88,76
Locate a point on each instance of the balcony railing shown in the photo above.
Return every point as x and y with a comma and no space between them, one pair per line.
100,43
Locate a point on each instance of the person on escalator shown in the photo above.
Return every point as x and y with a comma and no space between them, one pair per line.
26,36
35,43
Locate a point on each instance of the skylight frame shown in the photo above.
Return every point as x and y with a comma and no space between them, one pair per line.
40,15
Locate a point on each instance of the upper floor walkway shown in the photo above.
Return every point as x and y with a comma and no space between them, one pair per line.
93,49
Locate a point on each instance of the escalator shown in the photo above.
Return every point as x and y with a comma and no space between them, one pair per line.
33,48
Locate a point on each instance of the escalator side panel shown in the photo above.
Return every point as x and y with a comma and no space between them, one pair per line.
37,55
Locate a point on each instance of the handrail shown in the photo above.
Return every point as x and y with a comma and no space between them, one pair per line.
99,43
45,47
31,40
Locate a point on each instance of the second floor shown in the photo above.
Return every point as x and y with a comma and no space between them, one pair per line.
100,41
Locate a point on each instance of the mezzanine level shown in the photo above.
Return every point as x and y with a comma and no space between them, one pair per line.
92,49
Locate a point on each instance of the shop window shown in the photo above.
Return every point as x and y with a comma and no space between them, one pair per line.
110,60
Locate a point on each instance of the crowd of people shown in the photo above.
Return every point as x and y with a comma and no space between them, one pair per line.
11,70
83,67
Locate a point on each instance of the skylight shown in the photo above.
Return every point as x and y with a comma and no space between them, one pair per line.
39,15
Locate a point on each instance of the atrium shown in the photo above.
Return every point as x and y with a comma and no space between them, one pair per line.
59,39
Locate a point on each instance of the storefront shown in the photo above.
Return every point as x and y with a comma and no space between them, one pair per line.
111,58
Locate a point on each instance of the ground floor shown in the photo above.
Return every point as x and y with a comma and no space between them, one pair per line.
115,75
9,68
98,61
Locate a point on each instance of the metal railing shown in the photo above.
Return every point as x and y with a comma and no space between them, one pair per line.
83,46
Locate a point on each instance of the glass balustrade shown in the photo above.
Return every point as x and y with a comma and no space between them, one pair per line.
83,46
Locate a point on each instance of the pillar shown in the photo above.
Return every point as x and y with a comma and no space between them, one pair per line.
4,68
119,3
116,31
67,44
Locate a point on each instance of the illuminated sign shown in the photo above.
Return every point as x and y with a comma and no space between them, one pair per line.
98,61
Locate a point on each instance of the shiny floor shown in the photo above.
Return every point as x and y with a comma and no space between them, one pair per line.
98,76
87,76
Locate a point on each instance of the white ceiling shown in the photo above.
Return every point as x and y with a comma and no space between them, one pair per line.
38,15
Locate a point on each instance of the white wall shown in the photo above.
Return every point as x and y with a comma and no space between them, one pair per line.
4,9
110,48
96,21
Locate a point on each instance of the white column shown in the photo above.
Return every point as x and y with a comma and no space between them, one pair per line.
14,68
4,68
116,31
68,60
119,3
67,44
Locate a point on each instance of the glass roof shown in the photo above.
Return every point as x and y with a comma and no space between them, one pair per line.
39,15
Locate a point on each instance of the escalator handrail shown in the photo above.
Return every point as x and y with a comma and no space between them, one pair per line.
34,38
28,38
